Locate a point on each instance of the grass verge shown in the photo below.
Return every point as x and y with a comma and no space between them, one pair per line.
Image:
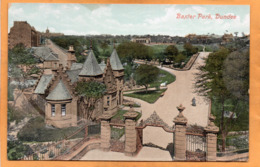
150,97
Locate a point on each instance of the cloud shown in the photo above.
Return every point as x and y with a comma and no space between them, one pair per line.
79,19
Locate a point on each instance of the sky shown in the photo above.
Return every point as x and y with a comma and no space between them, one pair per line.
121,19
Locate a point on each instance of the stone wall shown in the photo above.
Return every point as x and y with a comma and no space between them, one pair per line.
23,33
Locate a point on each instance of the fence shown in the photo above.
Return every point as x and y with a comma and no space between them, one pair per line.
52,150
94,129
196,143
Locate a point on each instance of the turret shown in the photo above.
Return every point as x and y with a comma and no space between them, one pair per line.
71,56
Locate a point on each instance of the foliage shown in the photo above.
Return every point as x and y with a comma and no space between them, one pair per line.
129,70
16,150
90,89
190,50
236,74
36,130
146,74
90,93
19,55
171,52
79,44
151,96
164,76
209,81
180,58
14,114
225,79
128,51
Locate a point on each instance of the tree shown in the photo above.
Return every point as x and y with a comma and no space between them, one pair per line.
171,52
16,150
128,51
146,74
224,79
180,58
190,50
19,55
104,46
210,83
90,92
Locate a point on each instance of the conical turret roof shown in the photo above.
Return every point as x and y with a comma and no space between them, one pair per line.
90,66
60,92
115,61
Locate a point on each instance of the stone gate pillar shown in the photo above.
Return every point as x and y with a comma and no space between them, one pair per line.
130,132
211,135
105,131
180,135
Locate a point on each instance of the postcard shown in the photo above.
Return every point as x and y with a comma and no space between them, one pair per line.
128,82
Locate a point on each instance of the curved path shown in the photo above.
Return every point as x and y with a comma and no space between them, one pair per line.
179,92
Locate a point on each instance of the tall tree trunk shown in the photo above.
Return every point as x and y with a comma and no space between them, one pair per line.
222,127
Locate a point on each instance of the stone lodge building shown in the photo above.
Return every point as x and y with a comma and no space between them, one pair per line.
63,107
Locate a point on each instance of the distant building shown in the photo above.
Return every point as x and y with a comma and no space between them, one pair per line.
141,40
24,33
48,34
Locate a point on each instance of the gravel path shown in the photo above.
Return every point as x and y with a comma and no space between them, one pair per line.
179,92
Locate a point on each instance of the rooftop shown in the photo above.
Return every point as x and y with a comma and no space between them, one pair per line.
115,61
60,92
90,66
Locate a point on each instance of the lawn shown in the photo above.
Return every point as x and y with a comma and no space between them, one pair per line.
163,77
161,48
151,96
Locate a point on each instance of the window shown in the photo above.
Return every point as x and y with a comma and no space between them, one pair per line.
53,110
108,101
63,109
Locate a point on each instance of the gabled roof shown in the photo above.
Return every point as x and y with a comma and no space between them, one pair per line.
43,83
90,66
41,52
102,65
115,61
60,92
51,57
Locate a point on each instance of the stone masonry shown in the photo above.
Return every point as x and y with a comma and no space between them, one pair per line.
180,135
130,132
105,132
211,131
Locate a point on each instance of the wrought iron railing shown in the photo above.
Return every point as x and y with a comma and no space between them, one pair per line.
196,142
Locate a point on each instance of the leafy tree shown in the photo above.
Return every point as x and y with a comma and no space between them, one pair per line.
146,74
90,92
171,52
180,58
19,55
190,50
104,46
78,44
16,150
224,79
128,51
